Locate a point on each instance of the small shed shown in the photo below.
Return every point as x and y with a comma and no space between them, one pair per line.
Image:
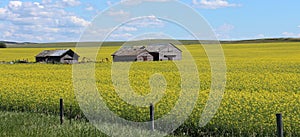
57,56
129,54
151,52
165,51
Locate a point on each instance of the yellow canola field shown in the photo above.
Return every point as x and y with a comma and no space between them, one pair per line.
262,80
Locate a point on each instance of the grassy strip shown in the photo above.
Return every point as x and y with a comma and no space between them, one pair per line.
31,124
23,124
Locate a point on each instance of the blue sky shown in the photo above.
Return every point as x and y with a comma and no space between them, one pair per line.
65,20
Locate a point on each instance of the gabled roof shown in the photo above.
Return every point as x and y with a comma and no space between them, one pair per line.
159,47
130,51
53,53
136,50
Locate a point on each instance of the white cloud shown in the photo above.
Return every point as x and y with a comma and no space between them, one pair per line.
109,3
156,35
121,35
46,1
71,2
226,27
147,21
2,12
260,36
126,28
89,8
213,4
15,4
118,13
7,34
79,21
38,5
133,2
299,26
135,26
290,34
42,28
224,31
40,21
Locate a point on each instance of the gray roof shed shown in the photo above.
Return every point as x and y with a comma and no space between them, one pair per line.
52,53
130,51
159,47
60,55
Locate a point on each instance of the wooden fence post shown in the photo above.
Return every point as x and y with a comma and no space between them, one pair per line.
152,116
70,115
279,125
61,110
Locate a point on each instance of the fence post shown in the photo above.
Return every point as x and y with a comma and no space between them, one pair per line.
61,110
279,125
70,115
152,116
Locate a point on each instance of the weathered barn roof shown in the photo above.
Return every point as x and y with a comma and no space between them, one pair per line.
130,51
159,47
136,50
53,53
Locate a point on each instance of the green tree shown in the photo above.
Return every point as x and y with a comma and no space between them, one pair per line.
2,45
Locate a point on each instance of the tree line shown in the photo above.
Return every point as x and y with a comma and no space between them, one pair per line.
2,45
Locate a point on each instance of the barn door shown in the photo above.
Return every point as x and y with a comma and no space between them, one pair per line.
145,58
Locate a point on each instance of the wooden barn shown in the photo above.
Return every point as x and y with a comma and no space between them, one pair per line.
151,52
129,54
167,51
57,56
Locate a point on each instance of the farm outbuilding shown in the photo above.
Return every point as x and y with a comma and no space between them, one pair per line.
151,52
57,56
164,52
127,54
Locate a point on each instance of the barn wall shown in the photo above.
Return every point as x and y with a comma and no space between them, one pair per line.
47,59
147,55
62,59
76,57
124,58
53,59
170,51
40,59
73,55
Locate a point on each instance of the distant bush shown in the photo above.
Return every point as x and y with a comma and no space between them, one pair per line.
2,45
